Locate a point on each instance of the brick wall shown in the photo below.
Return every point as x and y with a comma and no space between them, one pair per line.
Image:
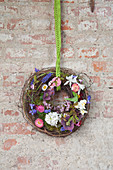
27,40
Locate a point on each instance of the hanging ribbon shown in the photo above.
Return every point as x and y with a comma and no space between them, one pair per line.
57,16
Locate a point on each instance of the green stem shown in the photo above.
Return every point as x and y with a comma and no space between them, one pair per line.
57,16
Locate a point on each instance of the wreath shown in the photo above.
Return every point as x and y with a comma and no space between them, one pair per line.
42,89
39,101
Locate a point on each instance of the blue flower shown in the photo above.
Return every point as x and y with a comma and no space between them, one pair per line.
33,112
32,105
47,111
36,70
62,129
46,77
88,99
74,76
32,81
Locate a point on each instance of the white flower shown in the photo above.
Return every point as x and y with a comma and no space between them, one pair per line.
44,87
71,79
81,104
83,112
52,118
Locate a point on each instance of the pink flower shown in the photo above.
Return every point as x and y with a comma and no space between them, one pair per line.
40,108
78,124
32,86
39,123
75,87
55,82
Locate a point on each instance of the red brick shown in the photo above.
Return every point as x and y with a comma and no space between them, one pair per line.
70,40
85,25
99,12
6,37
41,24
1,0
67,1
37,39
15,53
11,113
8,144
13,80
96,80
11,10
67,52
65,25
99,66
18,24
1,25
16,128
70,11
108,81
41,0
97,96
108,111
23,160
88,53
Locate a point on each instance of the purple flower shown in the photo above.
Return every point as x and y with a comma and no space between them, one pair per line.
62,109
88,99
36,70
48,93
32,111
67,125
62,129
32,82
74,76
67,104
48,106
47,110
32,105
46,77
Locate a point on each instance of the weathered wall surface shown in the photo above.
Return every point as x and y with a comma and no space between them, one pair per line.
27,41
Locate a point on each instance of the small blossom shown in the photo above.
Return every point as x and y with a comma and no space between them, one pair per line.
81,104
83,112
67,125
44,87
48,93
55,82
39,123
73,79
33,110
78,124
70,80
62,129
32,81
40,108
75,87
88,99
47,110
36,70
46,77
32,86
53,118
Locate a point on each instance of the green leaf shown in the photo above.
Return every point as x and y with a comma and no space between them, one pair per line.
74,94
76,117
35,78
74,99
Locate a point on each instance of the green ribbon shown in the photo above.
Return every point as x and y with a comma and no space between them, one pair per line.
57,16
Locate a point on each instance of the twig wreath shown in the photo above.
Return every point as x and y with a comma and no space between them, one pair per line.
39,95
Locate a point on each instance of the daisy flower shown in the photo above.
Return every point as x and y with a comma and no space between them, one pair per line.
44,87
